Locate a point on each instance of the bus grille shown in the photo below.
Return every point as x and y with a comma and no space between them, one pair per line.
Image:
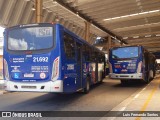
30,87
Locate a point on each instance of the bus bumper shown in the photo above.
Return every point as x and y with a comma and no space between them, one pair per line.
51,86
126,76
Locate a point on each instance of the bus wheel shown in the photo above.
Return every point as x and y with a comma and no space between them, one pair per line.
151,75
124,82
101,81
87,88
146,79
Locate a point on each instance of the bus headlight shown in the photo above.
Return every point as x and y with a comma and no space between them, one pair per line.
6,72
139,68
55,69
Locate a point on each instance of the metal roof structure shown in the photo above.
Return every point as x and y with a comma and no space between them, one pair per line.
133,21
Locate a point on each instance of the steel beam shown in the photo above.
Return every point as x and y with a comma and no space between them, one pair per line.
38,4
87,31
109,44
67,6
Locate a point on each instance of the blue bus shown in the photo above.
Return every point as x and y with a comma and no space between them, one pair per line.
130,63
47,57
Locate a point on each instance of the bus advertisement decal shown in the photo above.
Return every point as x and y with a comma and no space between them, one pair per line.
29,75
42,75
18,60
70,66
39,68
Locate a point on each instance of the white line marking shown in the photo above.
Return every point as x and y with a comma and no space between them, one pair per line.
136,96
122,109
143,88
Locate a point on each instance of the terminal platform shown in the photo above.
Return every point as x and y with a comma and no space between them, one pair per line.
142,105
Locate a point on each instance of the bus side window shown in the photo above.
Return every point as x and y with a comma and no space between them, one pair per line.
69,46
93,56
86,53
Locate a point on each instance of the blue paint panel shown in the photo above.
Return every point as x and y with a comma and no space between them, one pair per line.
26,66
126,66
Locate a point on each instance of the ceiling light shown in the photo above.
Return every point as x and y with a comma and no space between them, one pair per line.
124,16
125,37
100,48
112,37
116,18
147,35
98,38
158,35
54,1
33,8
135,36
133,14
143,13
107,19
154,11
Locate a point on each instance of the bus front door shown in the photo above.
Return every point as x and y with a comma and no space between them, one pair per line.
79,65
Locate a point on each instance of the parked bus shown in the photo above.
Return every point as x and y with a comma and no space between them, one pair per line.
47,57
131,62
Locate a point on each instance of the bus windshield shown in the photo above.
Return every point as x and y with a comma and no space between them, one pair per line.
31,38
125,53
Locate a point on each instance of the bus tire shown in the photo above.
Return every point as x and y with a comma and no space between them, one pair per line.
87,87
146,79
151,75
101,81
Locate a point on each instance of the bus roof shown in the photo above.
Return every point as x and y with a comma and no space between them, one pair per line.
57,24
80,39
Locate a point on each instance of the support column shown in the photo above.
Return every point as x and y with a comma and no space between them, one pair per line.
109,44
39,4
87,31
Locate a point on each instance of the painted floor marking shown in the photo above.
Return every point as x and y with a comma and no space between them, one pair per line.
136,96
147,101
122,109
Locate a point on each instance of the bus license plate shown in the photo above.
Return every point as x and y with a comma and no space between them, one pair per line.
29,87
28,75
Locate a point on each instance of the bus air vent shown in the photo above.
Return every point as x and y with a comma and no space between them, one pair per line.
124,76
42,87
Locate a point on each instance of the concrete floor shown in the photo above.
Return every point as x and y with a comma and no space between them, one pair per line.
101,97
108,96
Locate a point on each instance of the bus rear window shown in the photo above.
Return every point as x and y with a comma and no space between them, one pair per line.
32,38
125,53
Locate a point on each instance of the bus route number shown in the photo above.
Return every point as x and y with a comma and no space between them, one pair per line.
43,32
40,59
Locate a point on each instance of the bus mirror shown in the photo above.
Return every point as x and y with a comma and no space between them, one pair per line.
4,33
